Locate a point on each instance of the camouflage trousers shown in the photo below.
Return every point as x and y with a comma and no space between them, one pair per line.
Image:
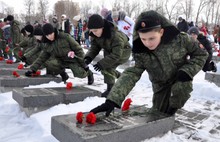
174,95
52,65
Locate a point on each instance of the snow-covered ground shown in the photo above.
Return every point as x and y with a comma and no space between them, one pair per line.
16,127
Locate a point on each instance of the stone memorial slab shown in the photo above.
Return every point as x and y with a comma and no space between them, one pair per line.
9,71
38,99
134,126
22,81
3,64
213,77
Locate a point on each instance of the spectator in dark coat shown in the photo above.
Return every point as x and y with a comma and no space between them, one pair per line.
182,25
205,44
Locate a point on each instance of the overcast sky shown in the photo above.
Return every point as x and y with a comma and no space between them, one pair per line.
18,5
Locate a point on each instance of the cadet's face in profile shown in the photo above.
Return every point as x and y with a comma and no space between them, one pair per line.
50,36
151,39
97,32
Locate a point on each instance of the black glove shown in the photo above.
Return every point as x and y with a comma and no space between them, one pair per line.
97,67
87,60
107,107
29,73
183,77
23,59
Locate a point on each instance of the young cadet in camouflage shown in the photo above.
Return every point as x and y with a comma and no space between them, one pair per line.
26,44
67,52
52,64
15,30
115,45
171,59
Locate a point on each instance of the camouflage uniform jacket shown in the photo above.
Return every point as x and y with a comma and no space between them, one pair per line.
59,48
114,43
36,50
28,42
162,64
15,32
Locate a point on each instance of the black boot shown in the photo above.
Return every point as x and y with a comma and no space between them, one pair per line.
213,66
64,76
109,87
90,77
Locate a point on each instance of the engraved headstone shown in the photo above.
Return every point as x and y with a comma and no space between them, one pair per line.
9,71
213,77
38,99
22,81
136,125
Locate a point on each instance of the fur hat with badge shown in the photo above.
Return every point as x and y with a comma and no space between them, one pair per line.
10,18
194,30
29,28
95,22
48,29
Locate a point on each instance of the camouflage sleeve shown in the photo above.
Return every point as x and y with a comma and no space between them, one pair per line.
125,84
43,57
33,51
94,50
75,47
24,42
118,47
197,59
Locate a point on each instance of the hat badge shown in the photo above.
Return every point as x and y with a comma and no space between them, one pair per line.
143,24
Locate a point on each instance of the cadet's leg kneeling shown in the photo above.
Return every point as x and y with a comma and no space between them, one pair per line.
180,93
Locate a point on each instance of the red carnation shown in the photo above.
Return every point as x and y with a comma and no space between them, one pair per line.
127,104
7,49
79,117
9,62
15,74
20,66
1,58
38,73
20,53
69,85
91,118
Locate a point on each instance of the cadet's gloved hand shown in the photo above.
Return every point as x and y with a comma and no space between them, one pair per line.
23,58
29,73
183,77
87,60
107,107
71,54
97,67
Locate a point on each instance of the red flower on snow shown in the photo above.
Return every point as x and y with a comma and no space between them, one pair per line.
79,117
91,118
127,104
36,74
15,74
20,66
69,85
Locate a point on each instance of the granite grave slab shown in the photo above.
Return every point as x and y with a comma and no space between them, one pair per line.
134,126
38,99
213,77
23,81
